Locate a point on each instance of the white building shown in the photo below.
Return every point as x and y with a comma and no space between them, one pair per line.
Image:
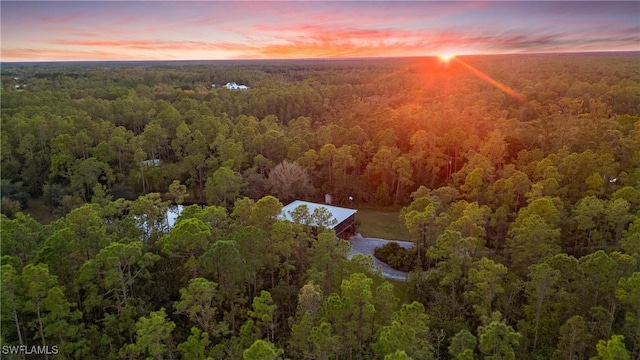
234,86
342,219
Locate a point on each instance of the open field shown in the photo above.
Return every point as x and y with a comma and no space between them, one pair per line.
381,224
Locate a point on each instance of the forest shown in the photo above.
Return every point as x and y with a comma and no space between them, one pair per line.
517,176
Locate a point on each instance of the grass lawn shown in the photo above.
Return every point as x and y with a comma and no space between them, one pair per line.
381,224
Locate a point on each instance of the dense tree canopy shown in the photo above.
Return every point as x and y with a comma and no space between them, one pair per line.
524,210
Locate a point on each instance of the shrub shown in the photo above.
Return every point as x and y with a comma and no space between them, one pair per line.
396,256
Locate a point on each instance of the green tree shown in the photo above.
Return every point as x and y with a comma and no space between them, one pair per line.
454,255
385,303
150,212
155,140
60,256
474,184
398,355
494,148
265,212
61,324
380,172
187,240
230,152
262,350
263,310
589,216
618,217
199,301
341,314
497,339
153,337
421,225
628,293
601,272
530,240
120,267
542,285
612,349
196,162
21,236
323,341
631,239
409,331
139,157
223,187
299,343
38,282
227,265
120,143
404,173
469,219
545,207
463,345
11,299
177,192
195,348
573,340
486,280
325,158
343,169
328,262
87,173
357,293
215,217
427,157
310,298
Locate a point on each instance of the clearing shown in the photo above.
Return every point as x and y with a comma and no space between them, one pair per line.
381,224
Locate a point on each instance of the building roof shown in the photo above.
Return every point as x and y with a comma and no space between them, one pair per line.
339,214
234,86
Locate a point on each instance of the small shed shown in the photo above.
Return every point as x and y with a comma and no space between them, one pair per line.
343,219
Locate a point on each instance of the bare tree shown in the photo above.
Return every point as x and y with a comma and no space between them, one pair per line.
289,181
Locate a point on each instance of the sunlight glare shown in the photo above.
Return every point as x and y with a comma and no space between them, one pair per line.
493,81
446,57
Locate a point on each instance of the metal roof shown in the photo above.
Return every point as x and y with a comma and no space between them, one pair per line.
340,214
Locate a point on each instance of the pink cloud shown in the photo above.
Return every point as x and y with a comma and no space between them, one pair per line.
63,20
26,54
148,44
183,30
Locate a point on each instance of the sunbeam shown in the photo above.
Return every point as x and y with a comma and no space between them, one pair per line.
504,88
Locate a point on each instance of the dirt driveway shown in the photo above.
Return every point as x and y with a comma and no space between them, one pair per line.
366,246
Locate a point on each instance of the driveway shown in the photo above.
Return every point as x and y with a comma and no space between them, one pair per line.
366,246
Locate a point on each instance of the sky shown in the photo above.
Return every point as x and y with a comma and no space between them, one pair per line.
213,30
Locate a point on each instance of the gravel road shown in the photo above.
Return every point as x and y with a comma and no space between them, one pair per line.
366,246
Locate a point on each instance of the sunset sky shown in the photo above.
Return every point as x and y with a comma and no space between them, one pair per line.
189,30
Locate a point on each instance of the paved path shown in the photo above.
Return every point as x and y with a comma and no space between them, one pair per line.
366,246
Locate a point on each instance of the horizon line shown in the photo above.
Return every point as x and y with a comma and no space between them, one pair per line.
569,52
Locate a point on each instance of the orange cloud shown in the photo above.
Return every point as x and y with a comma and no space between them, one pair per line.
61,55
218,30
146,44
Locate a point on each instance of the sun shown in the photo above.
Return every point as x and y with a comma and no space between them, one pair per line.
446,57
